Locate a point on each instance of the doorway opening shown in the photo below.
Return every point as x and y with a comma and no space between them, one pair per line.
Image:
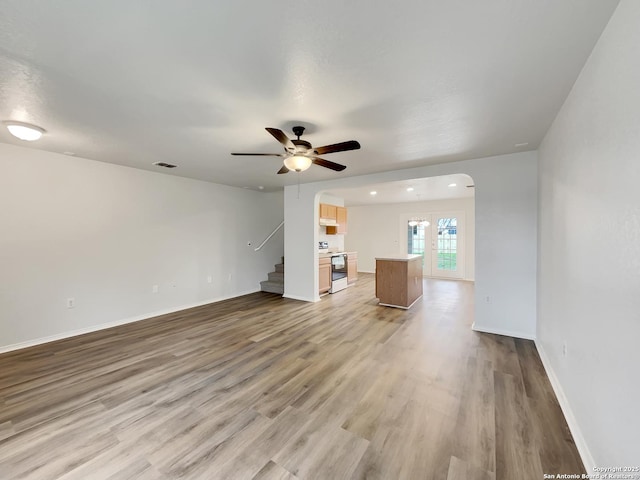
438,237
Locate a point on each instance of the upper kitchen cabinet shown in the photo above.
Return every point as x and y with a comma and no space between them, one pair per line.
341,219
328,213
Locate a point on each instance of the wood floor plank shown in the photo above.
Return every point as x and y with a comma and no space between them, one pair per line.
273,471
48,463
50,434
501,351
517,451
534,378
6,429
216,453
475,436
321,450
461,470
121,463
266,387
399,450
379,406
558,453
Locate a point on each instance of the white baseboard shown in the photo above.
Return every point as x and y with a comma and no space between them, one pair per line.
302,299
578,438
115,323
506,333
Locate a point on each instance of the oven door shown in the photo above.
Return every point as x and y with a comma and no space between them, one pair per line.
339,279
338,267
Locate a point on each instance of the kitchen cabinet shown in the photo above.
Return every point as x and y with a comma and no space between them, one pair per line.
328,212
352,267
324,274
399,280
341,219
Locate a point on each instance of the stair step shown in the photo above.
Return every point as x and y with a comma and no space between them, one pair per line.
280,268
276,277
272,287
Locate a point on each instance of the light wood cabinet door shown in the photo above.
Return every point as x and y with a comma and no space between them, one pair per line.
324,274
328,211
341,219
352,267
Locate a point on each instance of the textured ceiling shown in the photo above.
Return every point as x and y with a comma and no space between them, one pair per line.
443,187
416,82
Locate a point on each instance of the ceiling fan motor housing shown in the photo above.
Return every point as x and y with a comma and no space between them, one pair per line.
298,131
302,146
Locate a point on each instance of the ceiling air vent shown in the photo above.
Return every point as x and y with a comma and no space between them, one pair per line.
165,165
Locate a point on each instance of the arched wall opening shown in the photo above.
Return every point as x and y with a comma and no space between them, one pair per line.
378,224
505,236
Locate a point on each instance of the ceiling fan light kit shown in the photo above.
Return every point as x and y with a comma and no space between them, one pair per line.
297,163
299,154
24,131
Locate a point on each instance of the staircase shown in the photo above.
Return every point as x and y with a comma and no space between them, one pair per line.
275,283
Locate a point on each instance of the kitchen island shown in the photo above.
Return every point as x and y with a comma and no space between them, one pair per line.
399,280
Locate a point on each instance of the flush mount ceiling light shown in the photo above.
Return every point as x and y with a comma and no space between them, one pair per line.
24,131
373,192
409,189
452,185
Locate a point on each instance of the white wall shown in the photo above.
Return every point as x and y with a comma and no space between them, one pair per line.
589,271
374,230
105,234
506,219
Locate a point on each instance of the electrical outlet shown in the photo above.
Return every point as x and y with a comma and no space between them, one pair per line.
155,289
230,276
71,302
209,279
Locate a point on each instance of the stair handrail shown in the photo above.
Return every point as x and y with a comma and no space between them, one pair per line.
269,237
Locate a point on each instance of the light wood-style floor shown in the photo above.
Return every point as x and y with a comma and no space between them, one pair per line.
261,387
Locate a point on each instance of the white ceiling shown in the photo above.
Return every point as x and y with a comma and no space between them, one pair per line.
443,187
417,82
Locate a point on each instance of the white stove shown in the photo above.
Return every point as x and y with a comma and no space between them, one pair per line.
339,280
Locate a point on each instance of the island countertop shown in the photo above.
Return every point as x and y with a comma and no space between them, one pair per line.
400,257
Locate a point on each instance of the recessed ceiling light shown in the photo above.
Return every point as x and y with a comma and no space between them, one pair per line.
24,131
453,185
373,192
261,187
521,144
71,154
409,189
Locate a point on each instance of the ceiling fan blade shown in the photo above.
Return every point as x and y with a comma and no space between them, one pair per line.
283,170
282,138
326,163
260,154
337,147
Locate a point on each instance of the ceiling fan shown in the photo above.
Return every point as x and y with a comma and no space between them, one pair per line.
299,154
